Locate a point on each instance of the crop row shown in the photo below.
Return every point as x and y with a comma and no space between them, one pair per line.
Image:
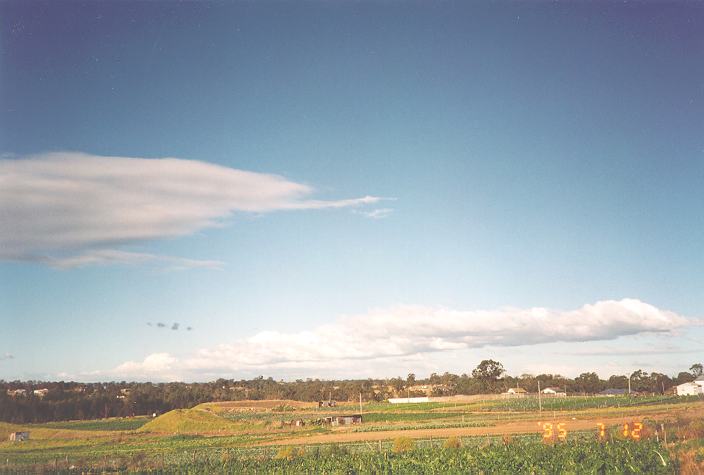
515,457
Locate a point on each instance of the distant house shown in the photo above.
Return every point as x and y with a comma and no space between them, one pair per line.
16,392
613,392
343,420
408,400
556,392
347,420
516,392
40,393
327,403
690,389
19,436
427,389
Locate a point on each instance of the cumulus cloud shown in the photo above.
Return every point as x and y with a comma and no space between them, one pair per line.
402,331
70,209
156,364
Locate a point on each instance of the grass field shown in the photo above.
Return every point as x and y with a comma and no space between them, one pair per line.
501,434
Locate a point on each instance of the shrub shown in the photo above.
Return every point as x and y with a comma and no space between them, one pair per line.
289,453
403,444
335,450
453,443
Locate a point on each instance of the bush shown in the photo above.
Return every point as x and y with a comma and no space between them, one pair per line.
337,450
403,444
452,443
289,453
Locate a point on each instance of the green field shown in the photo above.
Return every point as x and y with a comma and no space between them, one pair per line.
495,436
112,424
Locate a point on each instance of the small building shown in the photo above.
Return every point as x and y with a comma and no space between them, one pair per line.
16,392
19,436
408,400
554,392
343,420
327,403
516,392
613,392
690,389
40,393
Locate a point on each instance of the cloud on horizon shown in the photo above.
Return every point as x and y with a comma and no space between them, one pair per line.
71,209
405,331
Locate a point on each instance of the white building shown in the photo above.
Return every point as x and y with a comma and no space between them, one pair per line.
553,392
408,400
690,389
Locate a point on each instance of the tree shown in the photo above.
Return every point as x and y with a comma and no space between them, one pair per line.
488,373
697,369
411,379
640,381
684,377
588,382
618,382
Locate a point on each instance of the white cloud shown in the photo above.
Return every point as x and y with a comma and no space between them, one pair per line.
6,356
378,213
113,256
402,331
154,364
71,209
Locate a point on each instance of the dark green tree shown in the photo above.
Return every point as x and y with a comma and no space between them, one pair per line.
488,373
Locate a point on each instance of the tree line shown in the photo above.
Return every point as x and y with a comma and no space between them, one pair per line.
37,401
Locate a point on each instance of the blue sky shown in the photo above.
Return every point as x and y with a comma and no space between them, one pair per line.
515,156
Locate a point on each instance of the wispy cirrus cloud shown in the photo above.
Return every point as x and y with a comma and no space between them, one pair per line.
398,332
378,213
115,256
71,209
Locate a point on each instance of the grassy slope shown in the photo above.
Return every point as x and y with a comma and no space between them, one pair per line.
191,421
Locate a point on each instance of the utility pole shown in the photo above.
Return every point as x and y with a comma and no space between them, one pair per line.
540,401
629,384
360,406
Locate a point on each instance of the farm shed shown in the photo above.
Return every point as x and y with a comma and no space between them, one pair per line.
327,403
551,391
408,400
343,420
19,436
690,389
613,392
516,392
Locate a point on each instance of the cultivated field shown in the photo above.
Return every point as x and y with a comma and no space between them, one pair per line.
603,434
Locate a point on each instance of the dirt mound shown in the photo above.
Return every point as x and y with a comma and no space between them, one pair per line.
190,421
